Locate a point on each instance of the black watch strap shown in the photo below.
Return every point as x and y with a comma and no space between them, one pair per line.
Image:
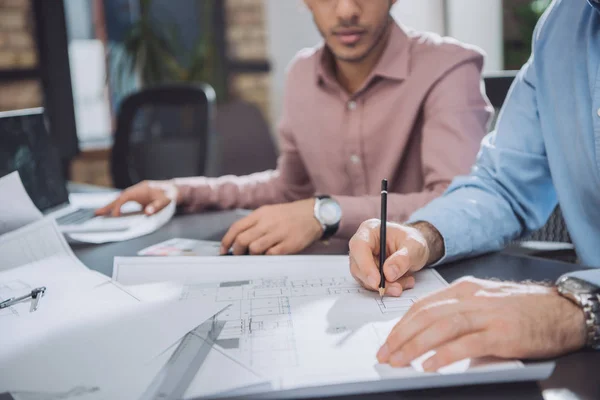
329,230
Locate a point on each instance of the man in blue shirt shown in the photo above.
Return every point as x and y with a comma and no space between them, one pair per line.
545,151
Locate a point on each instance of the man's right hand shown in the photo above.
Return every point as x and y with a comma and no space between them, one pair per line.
153,196
409,249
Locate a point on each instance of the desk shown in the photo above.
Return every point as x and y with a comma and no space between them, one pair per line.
575,377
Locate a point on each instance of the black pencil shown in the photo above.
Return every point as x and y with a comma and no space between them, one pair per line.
382,235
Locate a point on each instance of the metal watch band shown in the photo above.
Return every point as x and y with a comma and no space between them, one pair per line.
328,230
591,309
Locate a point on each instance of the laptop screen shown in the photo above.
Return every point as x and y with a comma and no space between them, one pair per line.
25,146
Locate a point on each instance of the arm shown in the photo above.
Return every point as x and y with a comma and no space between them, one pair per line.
510,189
289,182
455,117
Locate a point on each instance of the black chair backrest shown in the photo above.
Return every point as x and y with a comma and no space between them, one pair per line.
497,86
162,132
245,144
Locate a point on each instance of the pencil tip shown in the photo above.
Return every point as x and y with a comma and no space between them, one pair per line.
381,292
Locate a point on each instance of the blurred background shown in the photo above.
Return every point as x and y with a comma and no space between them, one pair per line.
91,65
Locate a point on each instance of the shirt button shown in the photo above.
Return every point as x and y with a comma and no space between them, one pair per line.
355,159
598,112
351,105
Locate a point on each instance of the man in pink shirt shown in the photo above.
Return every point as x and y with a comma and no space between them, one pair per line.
375,101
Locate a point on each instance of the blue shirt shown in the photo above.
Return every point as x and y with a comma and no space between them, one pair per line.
545,149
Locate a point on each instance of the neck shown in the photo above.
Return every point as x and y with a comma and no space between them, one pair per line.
352,75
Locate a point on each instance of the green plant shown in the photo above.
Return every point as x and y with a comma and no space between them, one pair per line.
517,52
151,51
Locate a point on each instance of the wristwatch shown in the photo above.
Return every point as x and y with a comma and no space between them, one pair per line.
329,214
586,296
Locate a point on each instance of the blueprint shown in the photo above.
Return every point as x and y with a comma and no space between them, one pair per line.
301,321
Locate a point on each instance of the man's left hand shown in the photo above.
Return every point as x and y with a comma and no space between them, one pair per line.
475,318
274,230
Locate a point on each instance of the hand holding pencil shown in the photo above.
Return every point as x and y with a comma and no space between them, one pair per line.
383,258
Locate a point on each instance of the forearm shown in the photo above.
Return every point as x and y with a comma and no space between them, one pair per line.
228,192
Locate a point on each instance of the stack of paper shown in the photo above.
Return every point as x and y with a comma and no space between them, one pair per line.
89,338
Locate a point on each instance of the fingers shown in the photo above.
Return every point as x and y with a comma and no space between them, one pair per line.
431,337
278,250
235,230
114,208
474,345
395,289
451,318
242,242
392,289
411,255
364,246
106,209
367,275
264,243
157,205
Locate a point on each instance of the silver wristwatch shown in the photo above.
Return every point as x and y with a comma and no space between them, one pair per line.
586,296
329,214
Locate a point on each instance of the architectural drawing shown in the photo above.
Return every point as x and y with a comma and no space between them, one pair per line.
259,326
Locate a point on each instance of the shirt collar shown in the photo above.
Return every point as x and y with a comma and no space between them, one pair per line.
393,64
595,4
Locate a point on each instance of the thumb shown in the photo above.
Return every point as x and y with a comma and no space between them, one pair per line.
410,257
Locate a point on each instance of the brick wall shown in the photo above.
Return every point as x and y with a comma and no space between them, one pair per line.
247,41
17,51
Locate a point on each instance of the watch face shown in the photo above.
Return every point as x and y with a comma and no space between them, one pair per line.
577,286
330,212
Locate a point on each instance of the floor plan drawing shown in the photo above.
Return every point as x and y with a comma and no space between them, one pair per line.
259,326
291,319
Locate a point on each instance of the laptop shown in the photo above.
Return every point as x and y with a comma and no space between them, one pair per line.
26,146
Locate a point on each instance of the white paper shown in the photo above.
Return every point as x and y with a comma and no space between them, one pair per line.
140,225
16,207
113,353
209,379
34,242
301,321
73,295
183,247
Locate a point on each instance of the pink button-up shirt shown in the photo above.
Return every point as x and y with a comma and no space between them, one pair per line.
418,121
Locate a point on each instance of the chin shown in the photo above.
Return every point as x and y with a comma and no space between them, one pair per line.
353,55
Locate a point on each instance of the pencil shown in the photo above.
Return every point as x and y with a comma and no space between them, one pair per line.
382,235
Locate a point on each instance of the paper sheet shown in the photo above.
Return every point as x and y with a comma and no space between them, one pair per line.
110,357
16,207
34,242
300,321
209,379
71,298
178,247
143,225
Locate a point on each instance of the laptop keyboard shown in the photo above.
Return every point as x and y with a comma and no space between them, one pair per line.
77,217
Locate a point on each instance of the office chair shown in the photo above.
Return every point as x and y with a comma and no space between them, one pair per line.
244,140
497,86
163,132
